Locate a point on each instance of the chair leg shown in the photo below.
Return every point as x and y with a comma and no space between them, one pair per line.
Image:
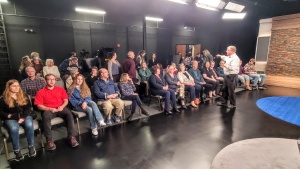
140,111
41,137
78,126
123,114
6,149
159,105
149,101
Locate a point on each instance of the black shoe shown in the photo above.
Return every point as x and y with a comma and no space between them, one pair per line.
31,152
176,111
145,113
19,156
183,107
221,104
129,118
168,112
231,106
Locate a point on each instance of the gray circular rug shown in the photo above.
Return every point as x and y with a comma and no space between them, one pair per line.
260,153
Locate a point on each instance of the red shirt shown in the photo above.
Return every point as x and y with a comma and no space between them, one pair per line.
51,98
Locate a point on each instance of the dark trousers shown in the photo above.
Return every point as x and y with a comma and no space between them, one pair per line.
199,90
228,89
116,78
169,95
214,85
65,114
191,89
141,88
135,101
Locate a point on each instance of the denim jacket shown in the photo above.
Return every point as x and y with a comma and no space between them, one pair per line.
76,99
104,88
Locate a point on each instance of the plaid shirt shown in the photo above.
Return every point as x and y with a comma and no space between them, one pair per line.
31,87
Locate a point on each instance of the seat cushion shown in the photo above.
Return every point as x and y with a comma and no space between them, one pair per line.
127,102
56,120
21,129
78,114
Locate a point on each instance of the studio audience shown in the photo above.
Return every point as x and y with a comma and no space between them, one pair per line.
114,67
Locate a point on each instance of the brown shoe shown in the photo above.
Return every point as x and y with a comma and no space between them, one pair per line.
73,142
50,145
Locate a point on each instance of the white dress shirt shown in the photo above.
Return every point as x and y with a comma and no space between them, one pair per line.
232,64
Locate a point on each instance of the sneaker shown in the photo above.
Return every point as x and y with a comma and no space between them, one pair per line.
231,106
95,132
108,122
117,119
31,152
19,156
73,142
101,123
51,145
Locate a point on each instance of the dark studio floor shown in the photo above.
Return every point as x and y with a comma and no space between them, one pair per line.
189,140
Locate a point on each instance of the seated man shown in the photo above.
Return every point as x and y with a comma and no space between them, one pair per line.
251,72
199,81
67,65
108,95
33,83
53,101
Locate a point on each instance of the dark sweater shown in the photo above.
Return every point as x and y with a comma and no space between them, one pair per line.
17,111
129,67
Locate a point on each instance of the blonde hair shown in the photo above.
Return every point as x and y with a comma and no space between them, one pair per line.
206,52
24,63
84,89
21,98
33,54
124,77
48,61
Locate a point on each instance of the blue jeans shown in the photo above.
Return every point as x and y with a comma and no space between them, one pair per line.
256,78
13,128
169,95
93,112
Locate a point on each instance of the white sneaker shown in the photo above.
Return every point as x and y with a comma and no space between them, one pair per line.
102,123
95,132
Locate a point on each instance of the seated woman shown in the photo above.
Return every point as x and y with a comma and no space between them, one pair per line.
159,86
243,77
37,63
51,68
209,78
16,110
251,72
114,67
80,99
153,60
74,71
189,85
175,84
127,89
212,67
92,77
145,73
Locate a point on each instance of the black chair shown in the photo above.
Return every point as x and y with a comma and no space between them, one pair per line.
157,97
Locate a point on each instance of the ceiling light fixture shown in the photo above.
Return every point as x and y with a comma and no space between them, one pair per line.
3,1
206,7
153,19
234,15
92,11
211,3
234,7
179,1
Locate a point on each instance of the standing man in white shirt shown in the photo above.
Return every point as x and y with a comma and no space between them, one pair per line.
231,70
